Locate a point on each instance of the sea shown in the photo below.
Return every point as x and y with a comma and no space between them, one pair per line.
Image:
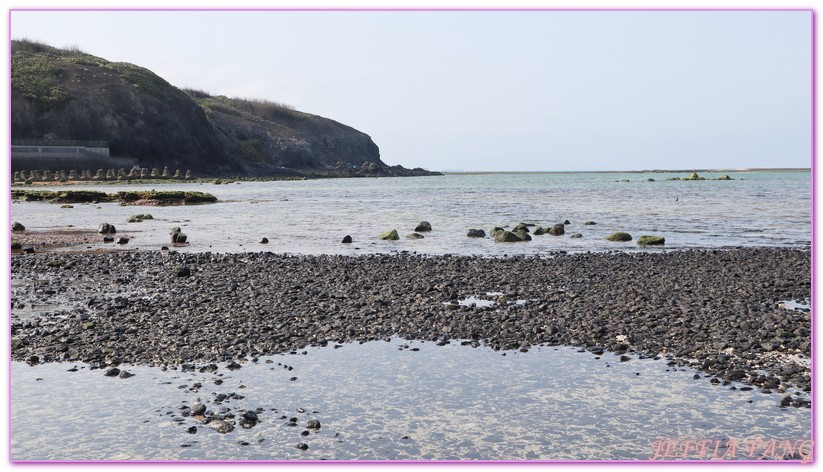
313,216
401,400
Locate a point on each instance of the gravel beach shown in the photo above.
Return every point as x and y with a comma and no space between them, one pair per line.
719,311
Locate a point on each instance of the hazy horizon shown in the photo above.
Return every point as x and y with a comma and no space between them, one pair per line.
494,91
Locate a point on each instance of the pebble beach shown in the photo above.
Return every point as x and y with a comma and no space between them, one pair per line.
720,311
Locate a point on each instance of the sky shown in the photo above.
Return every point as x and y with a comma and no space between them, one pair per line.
494,90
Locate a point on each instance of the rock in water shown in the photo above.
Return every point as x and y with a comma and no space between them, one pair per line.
313,424
619,237
221,426
113,372
17,227
651,241
264,241
423,227
504,236
346,239
414,236
106,228
476,233
557,230
123,241
390,235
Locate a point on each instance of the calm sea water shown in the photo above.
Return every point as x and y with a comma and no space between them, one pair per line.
441,402
311,217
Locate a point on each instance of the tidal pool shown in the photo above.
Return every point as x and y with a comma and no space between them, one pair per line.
400,400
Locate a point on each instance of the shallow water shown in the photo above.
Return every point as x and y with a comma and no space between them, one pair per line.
397,401
311,217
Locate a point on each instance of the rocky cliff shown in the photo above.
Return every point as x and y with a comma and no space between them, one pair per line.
69,95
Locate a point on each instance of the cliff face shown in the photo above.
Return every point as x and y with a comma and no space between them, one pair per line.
63,94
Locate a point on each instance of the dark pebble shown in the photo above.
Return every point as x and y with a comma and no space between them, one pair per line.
302,446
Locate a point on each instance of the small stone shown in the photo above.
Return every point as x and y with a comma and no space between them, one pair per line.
182,271
192,430
125,374
113,372
198,409
414,236
313,424
123,241
302,446
264,241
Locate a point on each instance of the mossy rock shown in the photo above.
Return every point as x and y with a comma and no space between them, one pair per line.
54,263
16,245
724,177
619,237
16,343
414,236
504,236
651,241
539,231
390,235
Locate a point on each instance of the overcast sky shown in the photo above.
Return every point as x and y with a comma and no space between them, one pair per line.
492,90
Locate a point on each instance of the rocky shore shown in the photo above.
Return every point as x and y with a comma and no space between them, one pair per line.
719,311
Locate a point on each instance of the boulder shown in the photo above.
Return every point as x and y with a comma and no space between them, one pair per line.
423,227
414,236
179,238
558,230
576,236
651,241
17,226
724,177
523,234
313,424
106,228
521,227
495,230
390,235
123,240
264,241
346,239
539,231
108,239
504,236
476,233
619,237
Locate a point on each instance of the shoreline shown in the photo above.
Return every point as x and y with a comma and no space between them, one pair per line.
714,310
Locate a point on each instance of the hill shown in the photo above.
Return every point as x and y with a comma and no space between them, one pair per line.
66,94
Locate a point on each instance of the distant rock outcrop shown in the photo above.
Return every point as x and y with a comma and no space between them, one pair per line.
59,94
